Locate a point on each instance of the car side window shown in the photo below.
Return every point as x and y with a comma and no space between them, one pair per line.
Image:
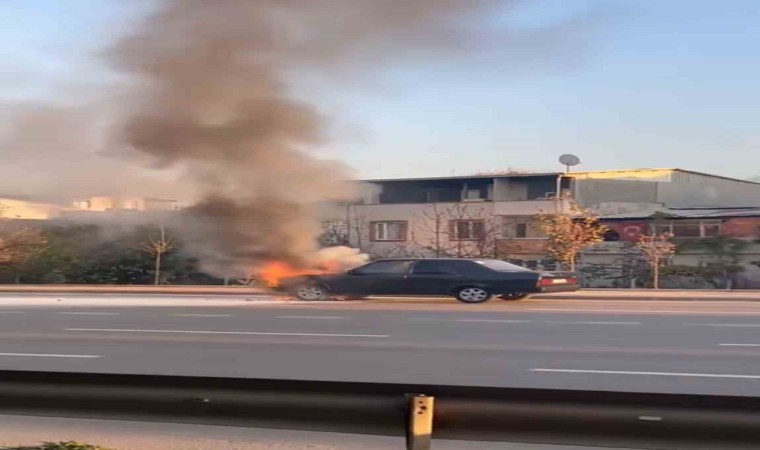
385,268
438,268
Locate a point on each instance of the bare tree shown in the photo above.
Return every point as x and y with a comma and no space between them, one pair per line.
433,223
656,248
724,253
570,232
402,250
456,231
334,233
358,225
157,246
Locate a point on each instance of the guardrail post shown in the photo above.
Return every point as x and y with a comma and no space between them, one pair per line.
419,431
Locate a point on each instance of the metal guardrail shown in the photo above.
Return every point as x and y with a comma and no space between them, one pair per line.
419,412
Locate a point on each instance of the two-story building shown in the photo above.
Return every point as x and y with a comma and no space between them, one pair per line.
495,215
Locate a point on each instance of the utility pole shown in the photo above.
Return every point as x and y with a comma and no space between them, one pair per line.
568,160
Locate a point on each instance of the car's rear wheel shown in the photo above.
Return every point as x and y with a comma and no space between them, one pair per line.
311,292
472,295
514,296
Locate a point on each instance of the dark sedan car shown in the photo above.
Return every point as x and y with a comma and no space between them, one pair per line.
468,280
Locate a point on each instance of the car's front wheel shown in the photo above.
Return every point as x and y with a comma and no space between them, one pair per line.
472,295
310,292
514,296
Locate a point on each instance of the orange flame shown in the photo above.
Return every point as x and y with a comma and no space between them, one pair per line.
273,272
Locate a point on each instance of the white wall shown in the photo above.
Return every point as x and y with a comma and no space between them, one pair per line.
20,209
421,219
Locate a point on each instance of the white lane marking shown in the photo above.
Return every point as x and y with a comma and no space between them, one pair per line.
593,322
739,345
90,313
651,418
261,333
49,355
428,319
493,320
310,317
431,319
737,325
662,374
626,310
202,315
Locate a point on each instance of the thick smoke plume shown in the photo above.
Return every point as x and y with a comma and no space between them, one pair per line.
212,99
208,113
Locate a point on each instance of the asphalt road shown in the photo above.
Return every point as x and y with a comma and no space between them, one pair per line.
648,346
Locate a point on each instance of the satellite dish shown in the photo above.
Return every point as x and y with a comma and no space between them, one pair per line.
569,160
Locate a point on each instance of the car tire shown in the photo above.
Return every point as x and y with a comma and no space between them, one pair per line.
311,293
472,294
514,296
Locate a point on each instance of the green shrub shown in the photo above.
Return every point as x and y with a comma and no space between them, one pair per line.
68,445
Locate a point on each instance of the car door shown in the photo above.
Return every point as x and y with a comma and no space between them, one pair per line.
436,277
386,277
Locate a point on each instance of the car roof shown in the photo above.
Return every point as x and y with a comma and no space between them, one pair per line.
435,259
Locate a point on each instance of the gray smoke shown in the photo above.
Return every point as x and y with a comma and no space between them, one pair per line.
212,99
209,108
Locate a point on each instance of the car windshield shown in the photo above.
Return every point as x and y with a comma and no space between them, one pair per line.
501,266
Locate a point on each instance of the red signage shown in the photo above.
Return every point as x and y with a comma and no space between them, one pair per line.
628,231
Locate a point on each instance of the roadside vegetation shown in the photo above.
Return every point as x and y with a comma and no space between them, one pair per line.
68,445
571,232
89,254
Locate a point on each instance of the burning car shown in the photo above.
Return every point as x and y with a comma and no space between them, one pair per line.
467,280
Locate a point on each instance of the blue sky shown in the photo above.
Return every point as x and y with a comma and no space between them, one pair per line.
646,83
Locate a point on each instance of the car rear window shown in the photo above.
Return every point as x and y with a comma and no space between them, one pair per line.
501,266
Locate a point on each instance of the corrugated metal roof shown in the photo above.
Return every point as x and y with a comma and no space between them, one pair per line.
716,212
685,213
554,174
739,180
464,177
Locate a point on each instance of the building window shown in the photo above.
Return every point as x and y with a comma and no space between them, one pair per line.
431,195
520,227
394,230
473,194
521,230
468,230
710,229
690,228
